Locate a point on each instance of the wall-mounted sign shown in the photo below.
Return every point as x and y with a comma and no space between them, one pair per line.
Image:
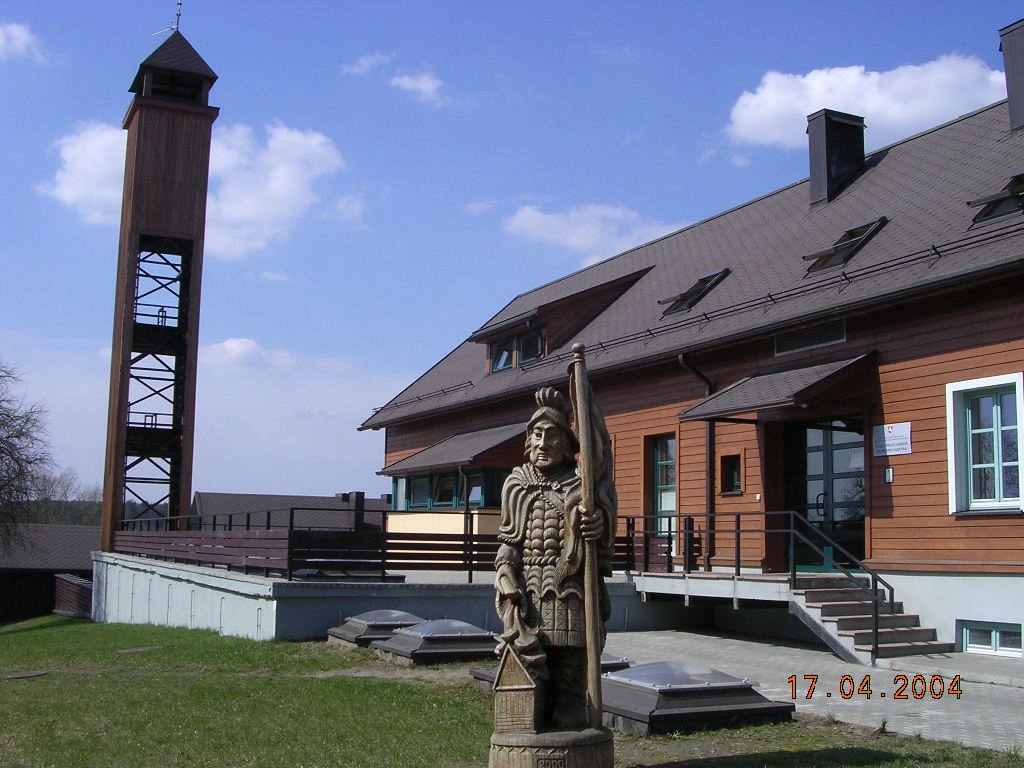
891,439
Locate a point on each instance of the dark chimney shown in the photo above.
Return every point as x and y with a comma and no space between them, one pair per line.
836,142
1011,43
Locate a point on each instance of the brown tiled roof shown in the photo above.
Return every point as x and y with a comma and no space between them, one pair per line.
311,511
43,547
764,391
920,184
457,450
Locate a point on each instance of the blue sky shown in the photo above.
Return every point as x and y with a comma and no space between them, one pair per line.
387,175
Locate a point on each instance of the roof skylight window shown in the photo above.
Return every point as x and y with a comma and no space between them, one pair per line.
843,249
1008,201
688,299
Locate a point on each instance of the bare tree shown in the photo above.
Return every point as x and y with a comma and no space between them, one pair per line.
62,498
24,454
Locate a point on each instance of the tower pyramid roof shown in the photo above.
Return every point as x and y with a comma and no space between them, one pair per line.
175,54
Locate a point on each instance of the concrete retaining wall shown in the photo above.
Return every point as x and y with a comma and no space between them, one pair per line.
137,590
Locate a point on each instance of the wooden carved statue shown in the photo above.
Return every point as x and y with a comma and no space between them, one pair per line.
556,539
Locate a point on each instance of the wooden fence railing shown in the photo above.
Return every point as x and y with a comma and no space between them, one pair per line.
363,551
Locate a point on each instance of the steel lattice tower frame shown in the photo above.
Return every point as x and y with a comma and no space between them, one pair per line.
151,416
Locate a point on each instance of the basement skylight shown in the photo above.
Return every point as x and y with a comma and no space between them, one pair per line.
843,249
688,299
1008,201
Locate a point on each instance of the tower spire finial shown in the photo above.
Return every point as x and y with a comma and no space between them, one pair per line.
177,22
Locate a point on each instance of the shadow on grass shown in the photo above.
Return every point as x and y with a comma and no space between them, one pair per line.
39,624
820,758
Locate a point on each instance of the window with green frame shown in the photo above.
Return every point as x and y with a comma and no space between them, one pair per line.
418,489
444,490
663,483
984,432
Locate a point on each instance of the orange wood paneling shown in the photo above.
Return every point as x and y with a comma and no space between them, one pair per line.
919,349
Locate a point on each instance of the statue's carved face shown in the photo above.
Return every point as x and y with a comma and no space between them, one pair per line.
549,445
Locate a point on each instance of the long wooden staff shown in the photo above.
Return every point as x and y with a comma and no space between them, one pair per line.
590,584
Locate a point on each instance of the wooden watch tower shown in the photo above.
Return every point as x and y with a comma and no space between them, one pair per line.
151,417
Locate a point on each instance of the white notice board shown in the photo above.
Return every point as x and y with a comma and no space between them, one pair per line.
891,439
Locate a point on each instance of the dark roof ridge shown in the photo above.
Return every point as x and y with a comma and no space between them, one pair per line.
742,205
419,378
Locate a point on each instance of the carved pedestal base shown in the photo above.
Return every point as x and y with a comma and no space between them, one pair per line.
591,748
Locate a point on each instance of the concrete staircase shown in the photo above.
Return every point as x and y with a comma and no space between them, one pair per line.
838,610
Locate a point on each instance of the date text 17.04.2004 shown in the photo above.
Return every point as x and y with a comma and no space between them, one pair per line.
904,687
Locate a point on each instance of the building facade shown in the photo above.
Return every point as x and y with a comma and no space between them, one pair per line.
843,356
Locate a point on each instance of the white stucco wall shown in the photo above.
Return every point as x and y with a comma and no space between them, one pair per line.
940,600
135,590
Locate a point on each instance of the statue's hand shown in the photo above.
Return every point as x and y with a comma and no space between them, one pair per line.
507,585
591,524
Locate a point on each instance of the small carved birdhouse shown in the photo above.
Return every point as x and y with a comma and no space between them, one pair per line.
518,698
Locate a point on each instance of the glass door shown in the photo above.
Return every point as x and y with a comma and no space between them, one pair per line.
825,486
664,481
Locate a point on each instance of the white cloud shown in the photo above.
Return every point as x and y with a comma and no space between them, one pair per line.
424,87
17,40
268,276
624,52
366,64
895,104
259,191
480,207
242,353
707,155
351,209
596,231
91,172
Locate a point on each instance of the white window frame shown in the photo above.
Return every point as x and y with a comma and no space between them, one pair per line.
956,437
995,630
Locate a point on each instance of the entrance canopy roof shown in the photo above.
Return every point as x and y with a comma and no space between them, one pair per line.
456,451
781,389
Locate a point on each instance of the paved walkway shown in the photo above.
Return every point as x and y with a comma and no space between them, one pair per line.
989,712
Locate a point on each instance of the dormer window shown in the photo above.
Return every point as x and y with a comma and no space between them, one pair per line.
843,249
517,350
1008,201
531,346
502,354
688,299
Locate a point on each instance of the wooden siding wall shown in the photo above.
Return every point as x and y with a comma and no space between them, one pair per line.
639,408
177,141
920,348
911,527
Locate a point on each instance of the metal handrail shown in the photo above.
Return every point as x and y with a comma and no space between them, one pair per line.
690,537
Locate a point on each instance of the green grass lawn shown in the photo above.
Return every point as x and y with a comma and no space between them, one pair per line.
117,695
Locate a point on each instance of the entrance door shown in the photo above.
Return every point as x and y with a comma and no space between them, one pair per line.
663,465
825,486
